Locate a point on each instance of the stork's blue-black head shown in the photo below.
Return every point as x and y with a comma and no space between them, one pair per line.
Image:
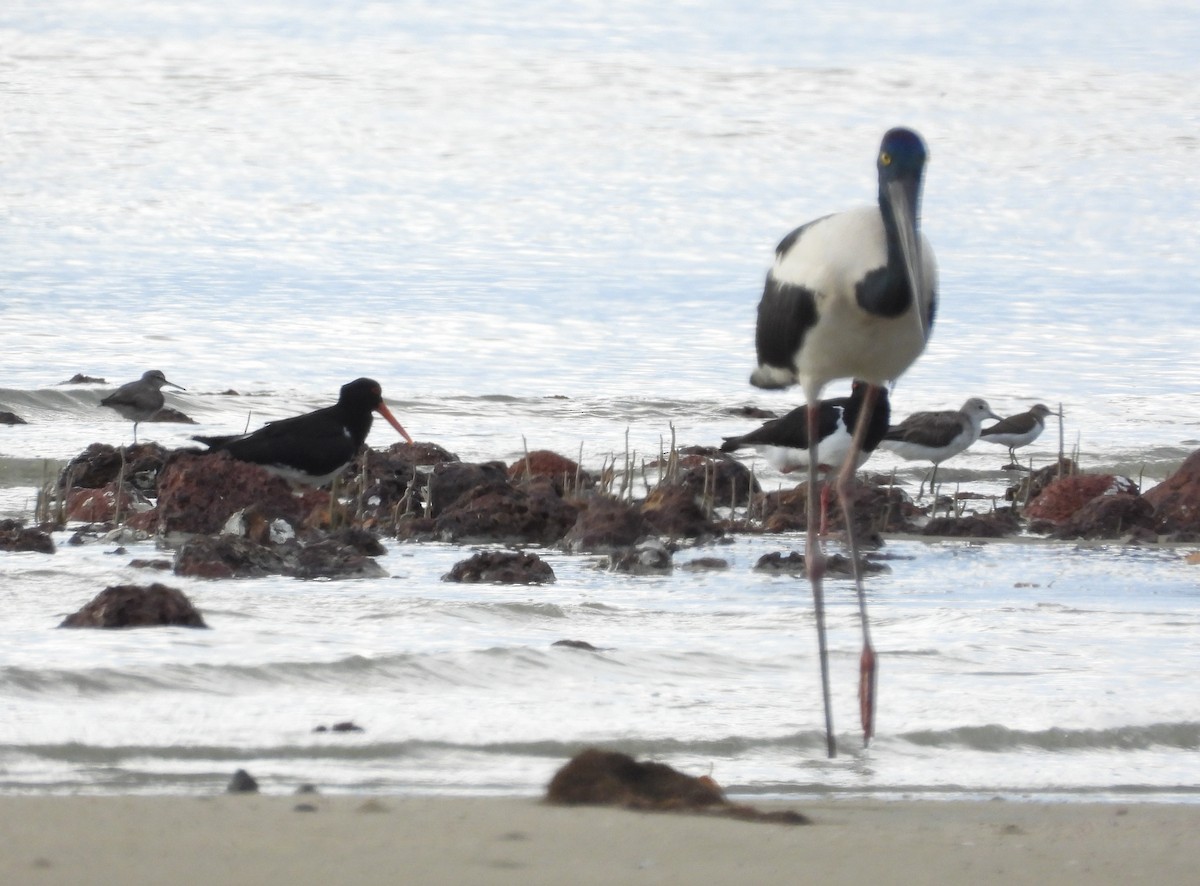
901,163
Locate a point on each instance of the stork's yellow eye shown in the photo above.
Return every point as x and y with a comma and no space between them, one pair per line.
885,158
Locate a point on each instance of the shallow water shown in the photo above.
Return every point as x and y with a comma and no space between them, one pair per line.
550,232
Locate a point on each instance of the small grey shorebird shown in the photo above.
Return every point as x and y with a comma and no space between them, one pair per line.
141,399
850,295
937,436
1018,430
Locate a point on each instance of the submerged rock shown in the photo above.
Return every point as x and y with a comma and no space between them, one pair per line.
996,524
231,556
15,536
501,567
132,606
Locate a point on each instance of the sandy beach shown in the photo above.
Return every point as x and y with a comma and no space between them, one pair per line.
258,839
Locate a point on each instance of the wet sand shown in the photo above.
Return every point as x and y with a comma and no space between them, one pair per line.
257,839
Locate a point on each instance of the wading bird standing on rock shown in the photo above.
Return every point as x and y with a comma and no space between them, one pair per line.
141,399
850,295
1018,430
937,436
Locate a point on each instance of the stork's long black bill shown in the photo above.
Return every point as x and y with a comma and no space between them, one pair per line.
902,196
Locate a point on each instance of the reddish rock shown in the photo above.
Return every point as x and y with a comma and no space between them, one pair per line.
673,511
99,505
608,778
501,567
15,536
604,525
1176,500
132,606
1108,516
533,513
566,475
1030,486
1062,498
878,507
197,493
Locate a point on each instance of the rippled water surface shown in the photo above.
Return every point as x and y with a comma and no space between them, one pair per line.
549,231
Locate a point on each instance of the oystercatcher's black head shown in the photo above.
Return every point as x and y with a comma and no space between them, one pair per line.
365,395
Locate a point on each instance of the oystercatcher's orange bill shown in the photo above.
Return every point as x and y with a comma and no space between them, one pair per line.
387,413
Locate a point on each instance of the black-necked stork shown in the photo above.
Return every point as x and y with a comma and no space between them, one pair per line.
784,441
851,295
313,448
1018,430
141,399
937,436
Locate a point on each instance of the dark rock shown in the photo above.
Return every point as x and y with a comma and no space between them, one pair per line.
100,464
199,492
566,475
393,484
15,536
608,778
502,567
132,606
242,783
648,557
227,556
576,644
232,556
673,511
80,379
836,565
499,512
454,480
705,564
714,476
996,524
346,726
328,558
150,564
1062,498
360,540
1108,516
1176,500
11,418
170,414
604,525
